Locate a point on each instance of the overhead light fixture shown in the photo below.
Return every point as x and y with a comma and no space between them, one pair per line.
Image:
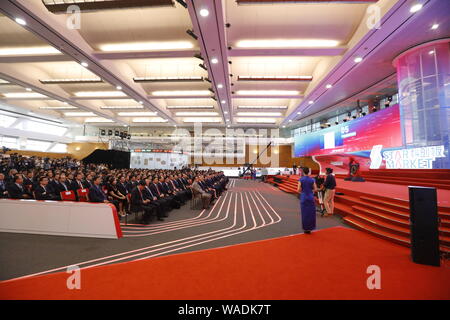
288,43
262,107
122,107
328,86
204,12
192,34
431,52
28,89
200,113
268,92
182,93
181,2
149,120
84,64
290,120
299,112
134,114
60,6
21,21
255,120
214,60
269,114
284,126
146,46
141,102
89,94
25,95
22,51
220,86
212,120
434,26
58,108
310,102
79,114
275,78
97,119
190,107
70,81
167,79
358,59
119,88
225,112
416,7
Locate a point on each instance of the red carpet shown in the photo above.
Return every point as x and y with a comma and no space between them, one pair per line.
329,264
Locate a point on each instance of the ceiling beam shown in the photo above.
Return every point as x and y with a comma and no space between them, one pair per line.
52,96
212,41
52,29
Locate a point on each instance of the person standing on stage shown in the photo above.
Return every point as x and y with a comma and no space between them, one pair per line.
329,186
306,188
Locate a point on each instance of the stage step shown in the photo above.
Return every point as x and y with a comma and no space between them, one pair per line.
402,240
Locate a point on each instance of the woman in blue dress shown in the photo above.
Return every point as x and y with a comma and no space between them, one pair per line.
306,188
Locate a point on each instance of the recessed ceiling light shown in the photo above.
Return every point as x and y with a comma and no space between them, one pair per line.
182,93
214,60
119,88
358,59
65,102
84,64
290,120
416,7
204,12
18,95
136,114
268,92
14,51
284,126
220,86
196,113
89,94
299,113
141,102
28,89
147,46
292,43
79,114
225,112
434,26
21,21
311,102
431,52
273,114
328,86
223,101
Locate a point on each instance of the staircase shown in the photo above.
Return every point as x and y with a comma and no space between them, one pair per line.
381,216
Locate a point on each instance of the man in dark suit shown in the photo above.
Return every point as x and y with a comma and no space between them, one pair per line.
122,186
78,183
155,189
154,202
138,203
3,192
16,189
168,194
42,192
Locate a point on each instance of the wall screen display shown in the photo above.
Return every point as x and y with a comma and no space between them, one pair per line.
379,128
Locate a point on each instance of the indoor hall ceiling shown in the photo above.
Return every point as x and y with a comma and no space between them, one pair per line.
251,65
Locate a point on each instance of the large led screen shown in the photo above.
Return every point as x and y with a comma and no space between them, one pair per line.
378,128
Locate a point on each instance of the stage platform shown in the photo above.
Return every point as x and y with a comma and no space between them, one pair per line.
381,209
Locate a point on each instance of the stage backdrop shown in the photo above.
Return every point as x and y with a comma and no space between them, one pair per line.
374,141
158,160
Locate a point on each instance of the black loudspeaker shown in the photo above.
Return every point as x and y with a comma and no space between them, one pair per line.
116,133
109,132
424,223
103,132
